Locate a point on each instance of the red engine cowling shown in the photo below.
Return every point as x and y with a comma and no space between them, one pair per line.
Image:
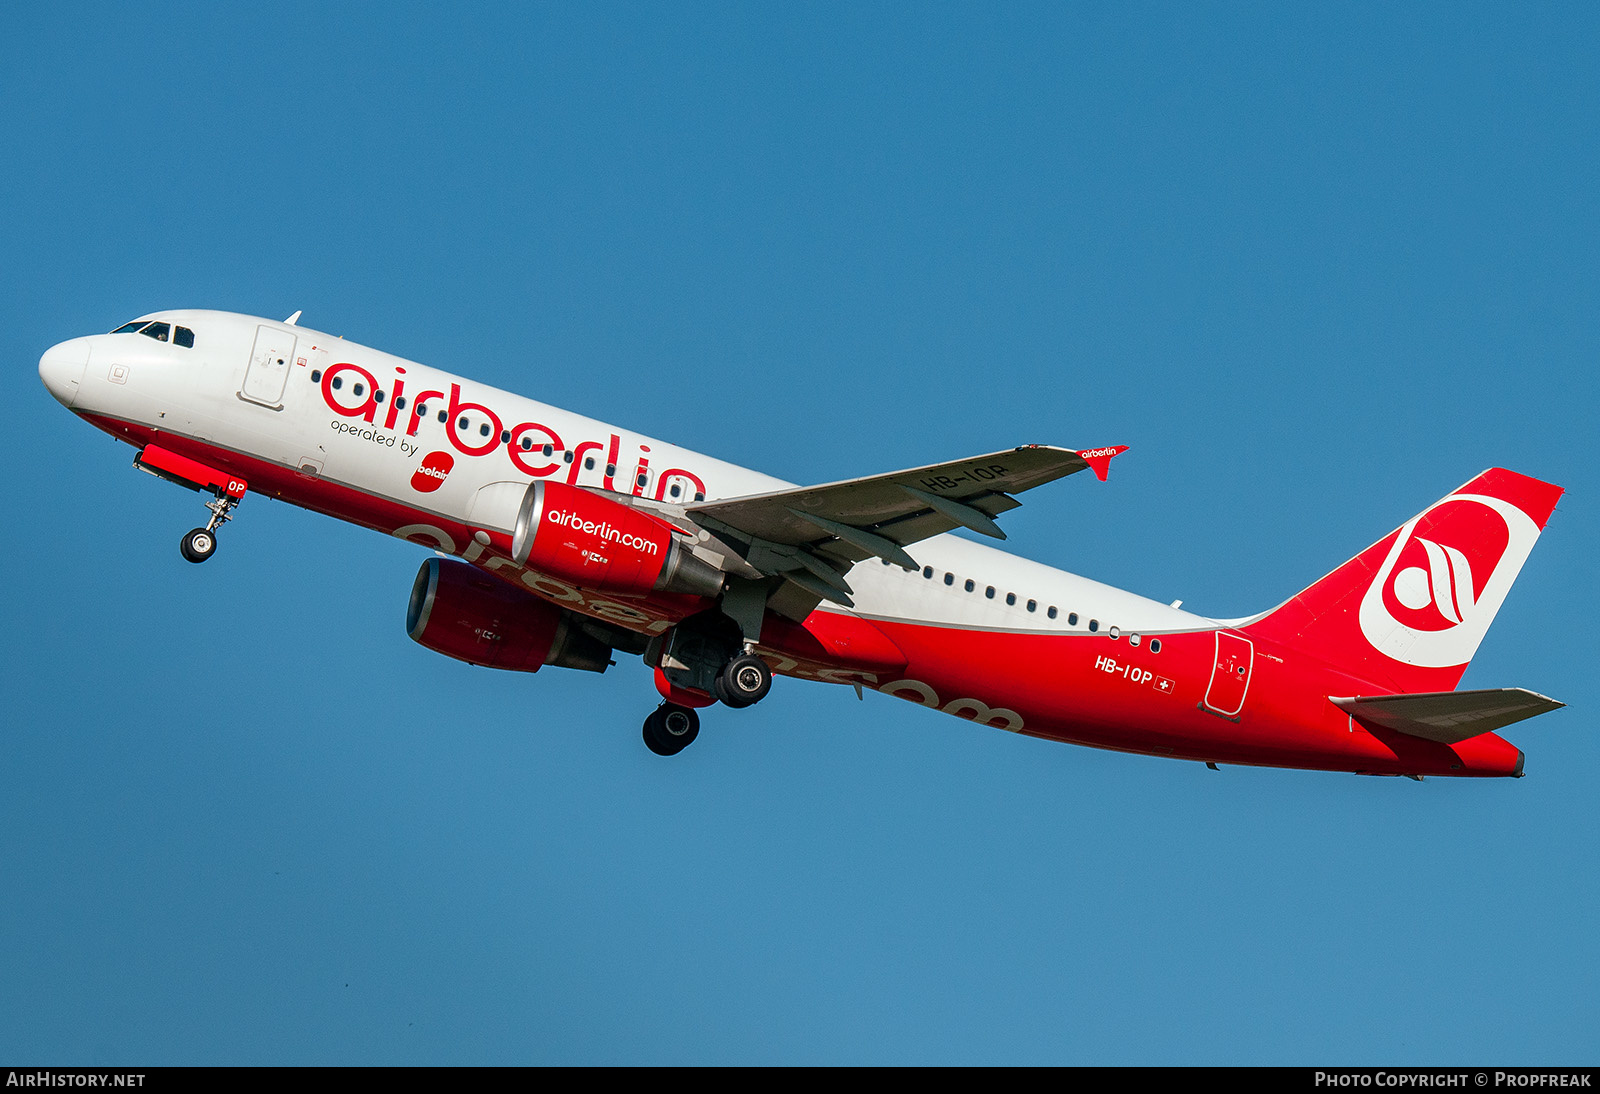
597,543
461,612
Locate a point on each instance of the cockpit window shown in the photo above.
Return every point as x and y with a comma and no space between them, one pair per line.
181,336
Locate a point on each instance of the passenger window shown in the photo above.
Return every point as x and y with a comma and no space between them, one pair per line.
1011,598
1033,605
989,592
1094,624
400,403
444,416
483,430
1155,645
184,337
158,331
1072,619
676,490
1051,611
1133,640
970,585
588,463
358,391
949,578
316,376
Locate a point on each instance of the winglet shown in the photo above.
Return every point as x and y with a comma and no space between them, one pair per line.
1099,459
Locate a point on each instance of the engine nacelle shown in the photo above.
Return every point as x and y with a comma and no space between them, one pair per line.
597,543
461,612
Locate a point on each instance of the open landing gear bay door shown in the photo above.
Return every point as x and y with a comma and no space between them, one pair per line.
809,537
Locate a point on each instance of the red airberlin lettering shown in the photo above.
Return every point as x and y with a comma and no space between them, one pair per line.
368,406
430,476
352,392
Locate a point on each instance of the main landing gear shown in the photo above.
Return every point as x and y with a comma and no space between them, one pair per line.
702,661
199,544
670,729
743,682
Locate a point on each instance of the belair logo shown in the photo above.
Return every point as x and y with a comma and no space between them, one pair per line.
431,475
1444,579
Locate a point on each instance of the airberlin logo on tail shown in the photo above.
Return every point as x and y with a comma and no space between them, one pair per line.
1445,583
430,476
1444,579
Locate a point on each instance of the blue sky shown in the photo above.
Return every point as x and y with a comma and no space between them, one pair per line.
1316,265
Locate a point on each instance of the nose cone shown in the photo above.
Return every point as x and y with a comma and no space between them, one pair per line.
61,368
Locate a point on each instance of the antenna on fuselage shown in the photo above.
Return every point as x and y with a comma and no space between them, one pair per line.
293,319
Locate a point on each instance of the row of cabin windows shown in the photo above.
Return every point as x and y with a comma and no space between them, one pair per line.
1052,611
359,390
161,332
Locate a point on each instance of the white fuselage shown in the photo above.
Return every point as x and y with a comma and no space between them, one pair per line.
349,416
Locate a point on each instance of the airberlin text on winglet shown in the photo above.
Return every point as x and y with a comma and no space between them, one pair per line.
1099,459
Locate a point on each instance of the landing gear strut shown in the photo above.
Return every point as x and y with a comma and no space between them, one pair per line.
670,729
199,544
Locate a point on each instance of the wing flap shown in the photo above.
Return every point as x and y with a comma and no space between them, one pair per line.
812,535
902,506
1448,717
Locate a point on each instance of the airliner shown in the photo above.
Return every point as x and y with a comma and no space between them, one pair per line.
560,541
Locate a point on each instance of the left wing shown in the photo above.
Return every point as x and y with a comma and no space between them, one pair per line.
811,536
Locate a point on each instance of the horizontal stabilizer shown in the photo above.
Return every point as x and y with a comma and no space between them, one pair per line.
1448,717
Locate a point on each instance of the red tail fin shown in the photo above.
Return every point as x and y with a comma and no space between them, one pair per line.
1410,610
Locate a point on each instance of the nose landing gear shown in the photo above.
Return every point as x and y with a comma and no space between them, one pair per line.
199,544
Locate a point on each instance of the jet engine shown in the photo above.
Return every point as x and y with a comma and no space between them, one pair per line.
597,543
461,612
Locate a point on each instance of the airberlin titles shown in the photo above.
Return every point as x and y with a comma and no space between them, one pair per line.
543,455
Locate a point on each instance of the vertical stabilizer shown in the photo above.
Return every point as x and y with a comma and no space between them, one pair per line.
1409,611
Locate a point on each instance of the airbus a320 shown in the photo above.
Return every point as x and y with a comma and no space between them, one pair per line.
560,541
